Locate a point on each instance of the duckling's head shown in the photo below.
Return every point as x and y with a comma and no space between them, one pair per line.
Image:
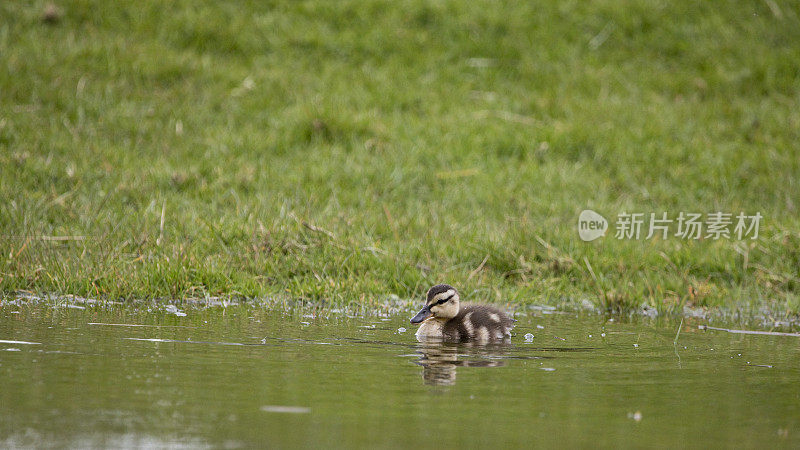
442,303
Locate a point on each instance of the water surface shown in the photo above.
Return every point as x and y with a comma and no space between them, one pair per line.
77,375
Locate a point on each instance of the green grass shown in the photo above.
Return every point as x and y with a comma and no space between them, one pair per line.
340,152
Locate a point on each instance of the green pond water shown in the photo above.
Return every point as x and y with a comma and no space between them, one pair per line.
83,375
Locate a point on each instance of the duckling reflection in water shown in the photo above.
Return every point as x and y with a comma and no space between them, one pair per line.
440,360
444,317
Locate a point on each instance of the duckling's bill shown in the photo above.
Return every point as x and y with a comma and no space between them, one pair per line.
423,314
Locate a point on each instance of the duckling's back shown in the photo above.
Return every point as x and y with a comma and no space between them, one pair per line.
478,323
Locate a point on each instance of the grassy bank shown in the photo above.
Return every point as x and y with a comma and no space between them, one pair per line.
344,151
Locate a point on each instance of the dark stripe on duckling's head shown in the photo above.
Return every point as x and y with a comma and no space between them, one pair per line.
439,289
443,300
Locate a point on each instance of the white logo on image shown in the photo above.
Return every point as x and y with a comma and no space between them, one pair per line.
591,225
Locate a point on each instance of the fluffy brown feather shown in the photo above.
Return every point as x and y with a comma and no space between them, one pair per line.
471,319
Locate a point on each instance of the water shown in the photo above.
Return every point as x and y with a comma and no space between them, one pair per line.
82,375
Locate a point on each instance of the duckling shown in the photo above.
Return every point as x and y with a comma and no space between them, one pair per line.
443,317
